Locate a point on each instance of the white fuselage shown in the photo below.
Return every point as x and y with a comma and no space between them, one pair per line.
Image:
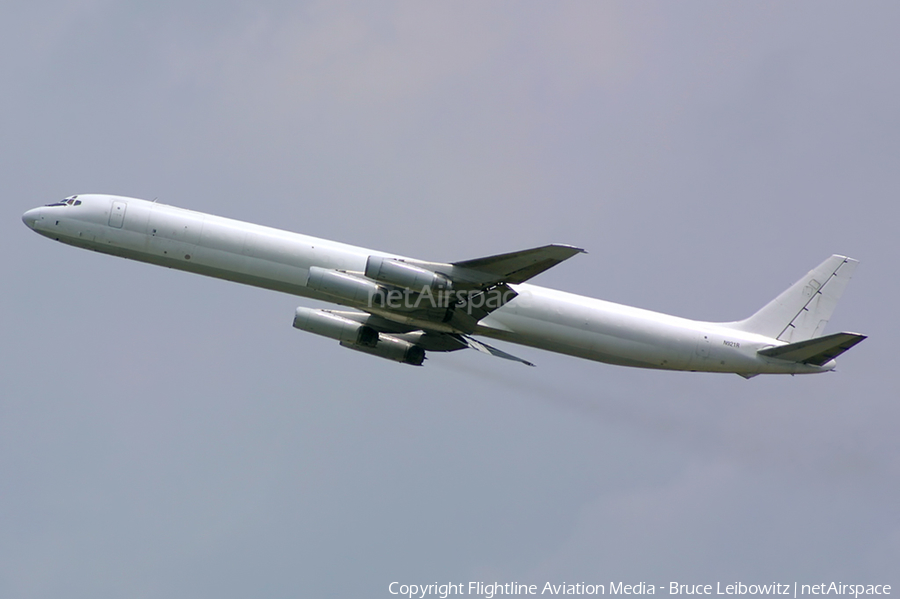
280,260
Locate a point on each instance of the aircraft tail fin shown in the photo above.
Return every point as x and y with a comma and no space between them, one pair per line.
802,311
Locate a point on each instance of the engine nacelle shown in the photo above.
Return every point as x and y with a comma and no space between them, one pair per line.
350,288
405,275
355,335
335,326
392,348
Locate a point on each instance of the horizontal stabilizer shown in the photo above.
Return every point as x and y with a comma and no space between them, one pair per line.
516,267
816,351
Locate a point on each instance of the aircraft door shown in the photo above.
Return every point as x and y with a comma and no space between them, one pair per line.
117,214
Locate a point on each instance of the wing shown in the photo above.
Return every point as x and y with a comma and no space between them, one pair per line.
454,297
410,307
515,267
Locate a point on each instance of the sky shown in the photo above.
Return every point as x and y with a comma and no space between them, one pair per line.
165,434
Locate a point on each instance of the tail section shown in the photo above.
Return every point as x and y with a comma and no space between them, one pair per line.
803,310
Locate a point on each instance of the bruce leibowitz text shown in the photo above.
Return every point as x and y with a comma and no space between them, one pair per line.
490,590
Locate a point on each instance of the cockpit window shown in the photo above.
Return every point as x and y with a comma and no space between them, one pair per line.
70,201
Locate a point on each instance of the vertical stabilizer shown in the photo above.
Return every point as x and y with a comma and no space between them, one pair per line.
803,310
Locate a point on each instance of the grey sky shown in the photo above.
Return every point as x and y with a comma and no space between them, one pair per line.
163,434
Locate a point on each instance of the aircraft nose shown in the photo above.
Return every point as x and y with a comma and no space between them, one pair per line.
30,217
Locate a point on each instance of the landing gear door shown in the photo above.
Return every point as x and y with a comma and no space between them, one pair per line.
117,214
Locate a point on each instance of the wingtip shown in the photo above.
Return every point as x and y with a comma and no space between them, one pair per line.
568,246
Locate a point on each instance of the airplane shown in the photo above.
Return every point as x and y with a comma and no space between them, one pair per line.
401,308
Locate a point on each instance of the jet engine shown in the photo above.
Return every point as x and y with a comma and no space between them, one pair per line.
342,285
392,348
358,336
402,274
334,326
